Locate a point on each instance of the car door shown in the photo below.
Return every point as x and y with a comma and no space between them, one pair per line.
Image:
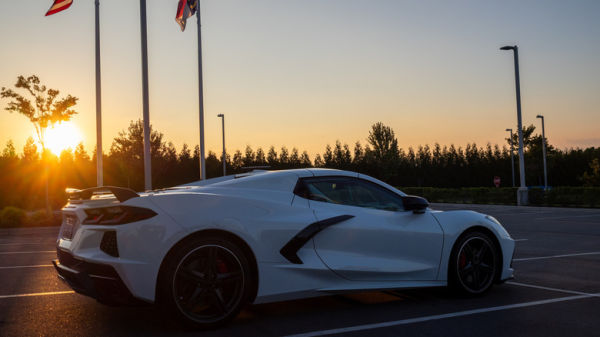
381,241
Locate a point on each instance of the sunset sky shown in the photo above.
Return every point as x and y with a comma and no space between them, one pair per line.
307,73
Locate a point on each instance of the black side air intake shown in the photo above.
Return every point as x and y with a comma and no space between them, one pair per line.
291,248
109,243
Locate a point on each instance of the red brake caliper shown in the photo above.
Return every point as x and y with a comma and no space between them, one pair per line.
462,261
221,266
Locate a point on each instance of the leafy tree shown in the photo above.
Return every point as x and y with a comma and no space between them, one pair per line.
238,161
260,157
342,157
305,160
9,165
592,178
185,153
188,168
358,153
294,158
249,157
284,157
66,156
46,110
528,138
214,166
30,152
9,151
383,141
272,158
318,161
384,152
80,154
126,156
328,157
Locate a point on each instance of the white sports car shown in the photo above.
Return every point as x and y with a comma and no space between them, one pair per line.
204,250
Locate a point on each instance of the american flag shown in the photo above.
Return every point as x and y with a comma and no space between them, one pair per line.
185,9
59,5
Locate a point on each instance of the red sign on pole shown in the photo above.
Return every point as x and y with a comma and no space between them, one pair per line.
497,181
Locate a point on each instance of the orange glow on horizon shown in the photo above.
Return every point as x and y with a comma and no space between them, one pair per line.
62,136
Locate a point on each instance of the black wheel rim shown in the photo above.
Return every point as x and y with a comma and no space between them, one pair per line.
208,283
476,264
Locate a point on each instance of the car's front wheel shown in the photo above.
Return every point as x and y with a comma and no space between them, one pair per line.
204,283
473,263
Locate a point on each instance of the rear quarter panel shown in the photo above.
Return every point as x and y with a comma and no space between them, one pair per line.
265,220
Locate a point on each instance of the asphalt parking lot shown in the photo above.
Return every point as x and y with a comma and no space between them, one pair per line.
556,292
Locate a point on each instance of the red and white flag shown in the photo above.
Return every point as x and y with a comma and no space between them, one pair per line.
185,9
59,5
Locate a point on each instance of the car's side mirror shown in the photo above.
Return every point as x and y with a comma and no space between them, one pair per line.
415,204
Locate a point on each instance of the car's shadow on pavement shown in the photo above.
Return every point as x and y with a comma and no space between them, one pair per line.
280,318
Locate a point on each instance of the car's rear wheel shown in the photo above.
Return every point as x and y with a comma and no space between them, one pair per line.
473,264
205,282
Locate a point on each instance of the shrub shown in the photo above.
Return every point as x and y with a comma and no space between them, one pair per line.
12,217
39,218
557,196
466,195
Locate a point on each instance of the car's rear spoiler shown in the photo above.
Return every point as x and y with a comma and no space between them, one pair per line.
122,194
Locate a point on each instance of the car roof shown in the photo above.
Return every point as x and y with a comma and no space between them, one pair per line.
284,180
279,180
320,172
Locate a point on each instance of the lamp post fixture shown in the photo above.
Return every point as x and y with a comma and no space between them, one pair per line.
512,157
224,153
522,197
544,152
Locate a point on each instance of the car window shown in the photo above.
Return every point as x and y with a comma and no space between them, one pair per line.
351,192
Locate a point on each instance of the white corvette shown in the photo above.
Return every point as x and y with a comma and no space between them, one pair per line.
204,250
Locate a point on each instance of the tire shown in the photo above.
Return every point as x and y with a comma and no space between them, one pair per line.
474,264
204,282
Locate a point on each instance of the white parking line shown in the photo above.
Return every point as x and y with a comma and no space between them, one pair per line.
517,240
27,243
568,217
37,294
554,256
548,288
30,252
523,213
438,317
33,266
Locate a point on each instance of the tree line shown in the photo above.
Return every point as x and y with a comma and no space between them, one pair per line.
22,176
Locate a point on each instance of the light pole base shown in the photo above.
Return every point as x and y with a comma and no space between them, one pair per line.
522,196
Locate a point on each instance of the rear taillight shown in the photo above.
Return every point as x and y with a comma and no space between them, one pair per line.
116,215
69,226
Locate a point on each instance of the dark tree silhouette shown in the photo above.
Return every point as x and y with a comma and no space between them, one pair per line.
592,178
423,166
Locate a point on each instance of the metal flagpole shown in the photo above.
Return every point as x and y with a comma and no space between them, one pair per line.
200,97
99,176
147,163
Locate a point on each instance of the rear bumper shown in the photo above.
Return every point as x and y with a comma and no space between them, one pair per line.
95,280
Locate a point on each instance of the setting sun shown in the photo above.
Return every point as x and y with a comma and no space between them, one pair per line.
62,136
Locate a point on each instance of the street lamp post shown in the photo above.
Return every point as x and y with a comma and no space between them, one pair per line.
522,191
544,152
512,157
224,153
